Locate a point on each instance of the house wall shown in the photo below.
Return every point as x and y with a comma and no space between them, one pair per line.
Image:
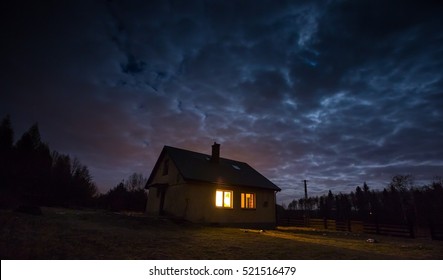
173,179
153,202
195,202
262,216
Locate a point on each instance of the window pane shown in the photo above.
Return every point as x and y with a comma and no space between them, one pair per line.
251,201
219,198
247,200
227,201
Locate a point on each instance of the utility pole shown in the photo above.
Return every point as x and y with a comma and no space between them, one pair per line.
306,201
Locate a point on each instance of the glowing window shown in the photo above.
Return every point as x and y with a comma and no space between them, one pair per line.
248,200
223,198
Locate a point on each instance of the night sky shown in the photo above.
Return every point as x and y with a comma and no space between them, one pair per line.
335,92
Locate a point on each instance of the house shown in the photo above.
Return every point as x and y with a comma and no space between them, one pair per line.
210,189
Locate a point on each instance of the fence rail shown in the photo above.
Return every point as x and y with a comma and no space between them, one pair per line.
392,230
399,230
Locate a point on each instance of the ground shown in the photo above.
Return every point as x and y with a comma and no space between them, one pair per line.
81,234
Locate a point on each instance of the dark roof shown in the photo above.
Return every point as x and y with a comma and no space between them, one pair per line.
198,167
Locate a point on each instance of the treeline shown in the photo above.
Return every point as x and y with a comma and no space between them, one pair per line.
128,195
399,203
33,175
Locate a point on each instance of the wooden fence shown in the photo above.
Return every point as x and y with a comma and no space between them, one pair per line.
356,226
392,230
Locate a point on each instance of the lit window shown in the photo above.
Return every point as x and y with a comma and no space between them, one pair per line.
248,200
223,198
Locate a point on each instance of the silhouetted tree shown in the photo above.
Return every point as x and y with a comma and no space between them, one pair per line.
83,188
6,134
292,205
33,166
127,195
433,202
116,199
401,183
135,181
6,153
343,207
401,187
7,193
31,175
375,210
326,205
61,180
362,201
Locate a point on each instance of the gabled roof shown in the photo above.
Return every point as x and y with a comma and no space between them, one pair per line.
199,167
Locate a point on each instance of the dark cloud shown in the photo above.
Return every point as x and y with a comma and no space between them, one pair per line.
335,92
133,66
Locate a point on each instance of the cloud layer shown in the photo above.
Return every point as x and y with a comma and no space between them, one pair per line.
336,92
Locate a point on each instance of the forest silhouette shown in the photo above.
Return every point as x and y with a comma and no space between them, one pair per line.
399,203
31,175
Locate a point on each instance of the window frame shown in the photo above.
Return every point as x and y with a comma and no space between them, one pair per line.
223,199
245,201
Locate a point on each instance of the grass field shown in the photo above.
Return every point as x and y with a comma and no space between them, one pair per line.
75,234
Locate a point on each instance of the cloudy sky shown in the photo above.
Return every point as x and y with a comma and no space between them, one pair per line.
335,92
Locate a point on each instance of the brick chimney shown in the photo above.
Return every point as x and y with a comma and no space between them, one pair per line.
215,157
